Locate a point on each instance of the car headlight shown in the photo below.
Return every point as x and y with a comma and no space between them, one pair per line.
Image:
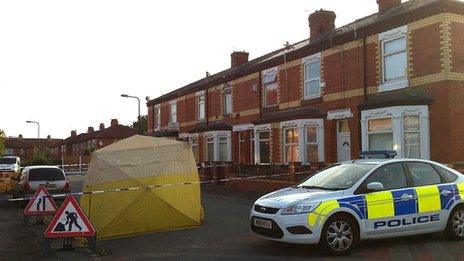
300,208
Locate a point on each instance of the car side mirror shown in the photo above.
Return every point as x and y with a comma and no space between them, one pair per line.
374,186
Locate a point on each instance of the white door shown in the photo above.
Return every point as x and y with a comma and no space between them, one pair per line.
343,141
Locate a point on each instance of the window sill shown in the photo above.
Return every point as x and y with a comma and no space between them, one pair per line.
393,85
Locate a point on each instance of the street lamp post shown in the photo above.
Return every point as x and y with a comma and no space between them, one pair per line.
138,100
38,134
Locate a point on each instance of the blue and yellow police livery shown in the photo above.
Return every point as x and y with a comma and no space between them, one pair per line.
364,199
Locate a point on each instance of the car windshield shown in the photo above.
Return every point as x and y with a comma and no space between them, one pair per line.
337,177
7,160
45,174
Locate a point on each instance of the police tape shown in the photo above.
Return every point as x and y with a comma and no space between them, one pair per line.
149,187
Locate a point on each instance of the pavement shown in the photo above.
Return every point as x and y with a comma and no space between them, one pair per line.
224,236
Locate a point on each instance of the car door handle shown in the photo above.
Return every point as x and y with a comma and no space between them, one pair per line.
407,197
445,192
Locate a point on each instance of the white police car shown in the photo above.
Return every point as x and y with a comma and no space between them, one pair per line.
364,199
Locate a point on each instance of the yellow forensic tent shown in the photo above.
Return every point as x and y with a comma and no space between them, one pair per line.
139,161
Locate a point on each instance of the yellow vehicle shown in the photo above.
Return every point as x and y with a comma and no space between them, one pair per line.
8,181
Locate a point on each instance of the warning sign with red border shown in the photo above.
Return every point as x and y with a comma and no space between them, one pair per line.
41,203
70,221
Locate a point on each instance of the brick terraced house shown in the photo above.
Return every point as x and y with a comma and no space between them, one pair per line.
26,148
83,144
392,80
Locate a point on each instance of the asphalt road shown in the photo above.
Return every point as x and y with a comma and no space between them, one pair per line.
224,236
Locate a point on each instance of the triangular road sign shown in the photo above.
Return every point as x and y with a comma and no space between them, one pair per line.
41,203
70,221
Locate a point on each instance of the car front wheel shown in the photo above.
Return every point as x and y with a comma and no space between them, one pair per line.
339,235
455,227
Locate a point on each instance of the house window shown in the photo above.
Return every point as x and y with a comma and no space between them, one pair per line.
291,145
195,148
312,148
227,102
9,151
380,134
394,59
157,118
210,149
264,139
271,87
404,129
223,149
312,79
173,117
201,107
411,136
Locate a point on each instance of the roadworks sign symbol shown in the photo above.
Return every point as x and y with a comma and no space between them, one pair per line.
41,203
70,221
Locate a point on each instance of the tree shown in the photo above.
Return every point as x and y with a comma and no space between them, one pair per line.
143,125
2,141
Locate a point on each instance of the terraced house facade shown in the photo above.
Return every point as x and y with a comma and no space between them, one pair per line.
392,80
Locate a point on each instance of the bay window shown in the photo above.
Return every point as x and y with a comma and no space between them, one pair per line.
210,149
193,140
411,136
223,149
312,146
380,134
404,129
264,147
291,145
218,146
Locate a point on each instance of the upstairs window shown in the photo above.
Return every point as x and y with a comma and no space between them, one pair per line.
173,116
201,107
157,115
394,58
227,102
270,87
312,79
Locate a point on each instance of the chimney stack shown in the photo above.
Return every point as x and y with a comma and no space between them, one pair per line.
49,137
102,126
238,58
385,5
20,136
321,22
90,129
73,133
114,122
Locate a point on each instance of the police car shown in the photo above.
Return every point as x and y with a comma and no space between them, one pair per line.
364,199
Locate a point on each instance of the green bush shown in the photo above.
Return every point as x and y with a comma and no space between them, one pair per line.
40,160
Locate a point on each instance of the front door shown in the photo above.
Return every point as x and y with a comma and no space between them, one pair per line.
343,141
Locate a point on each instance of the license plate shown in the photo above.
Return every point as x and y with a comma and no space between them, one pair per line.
50,185
262,223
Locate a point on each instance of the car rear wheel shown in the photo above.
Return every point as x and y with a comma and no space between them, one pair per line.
455,227
339,235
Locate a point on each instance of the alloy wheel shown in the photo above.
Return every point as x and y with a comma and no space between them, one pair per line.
339,235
